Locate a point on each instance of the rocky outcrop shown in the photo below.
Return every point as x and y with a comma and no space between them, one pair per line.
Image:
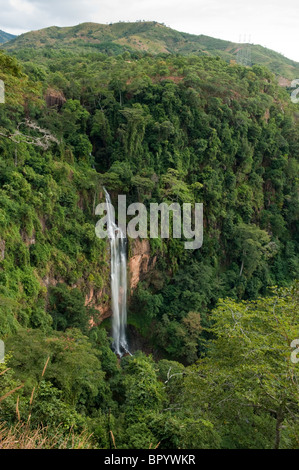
94,299
2,250
28,240
140,262
284,82
54,98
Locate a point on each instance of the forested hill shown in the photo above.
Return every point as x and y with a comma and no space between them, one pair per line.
4,37
149,37
157,129
167,129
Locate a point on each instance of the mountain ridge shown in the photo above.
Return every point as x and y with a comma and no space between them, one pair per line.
5,37
154,38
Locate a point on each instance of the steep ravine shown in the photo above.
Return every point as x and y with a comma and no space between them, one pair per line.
140,263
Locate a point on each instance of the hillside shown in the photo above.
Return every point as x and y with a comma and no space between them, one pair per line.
151,37
5,37
220,133
204,372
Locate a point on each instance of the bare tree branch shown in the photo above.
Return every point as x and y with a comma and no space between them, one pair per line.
44,141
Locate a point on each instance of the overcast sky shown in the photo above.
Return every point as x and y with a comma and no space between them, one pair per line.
271,23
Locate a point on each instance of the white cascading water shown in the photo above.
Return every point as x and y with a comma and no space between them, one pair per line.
118,281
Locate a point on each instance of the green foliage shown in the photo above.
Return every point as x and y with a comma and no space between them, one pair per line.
74,365
159,128
67,308
4,37
247,379
129,40
50,409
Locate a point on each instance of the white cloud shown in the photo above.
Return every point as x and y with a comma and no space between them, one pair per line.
271,23
22,6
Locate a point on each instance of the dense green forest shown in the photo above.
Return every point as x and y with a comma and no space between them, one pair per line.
150,37
216,323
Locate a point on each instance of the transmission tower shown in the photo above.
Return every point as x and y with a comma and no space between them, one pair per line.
244,52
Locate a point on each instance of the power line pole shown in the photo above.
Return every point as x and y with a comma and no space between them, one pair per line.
244,52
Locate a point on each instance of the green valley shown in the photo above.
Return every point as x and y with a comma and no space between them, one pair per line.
159,116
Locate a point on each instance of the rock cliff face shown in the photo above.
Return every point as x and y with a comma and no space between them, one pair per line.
95,299
140,263
2,249
54,98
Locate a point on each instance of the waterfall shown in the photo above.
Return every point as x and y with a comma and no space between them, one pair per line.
118,281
